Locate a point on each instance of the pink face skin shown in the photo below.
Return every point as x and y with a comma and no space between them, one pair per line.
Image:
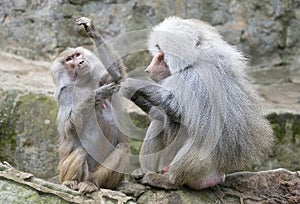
158,68
75,62
165,170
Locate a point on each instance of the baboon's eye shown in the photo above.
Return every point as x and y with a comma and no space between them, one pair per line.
68,60
77,55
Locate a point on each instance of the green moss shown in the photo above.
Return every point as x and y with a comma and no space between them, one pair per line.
296,129
280,121
141,121
11,192
35,128
278,131
33,109
7,122
286,151
135,146
28,135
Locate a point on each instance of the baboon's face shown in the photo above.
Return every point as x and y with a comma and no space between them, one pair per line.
76,64
158,68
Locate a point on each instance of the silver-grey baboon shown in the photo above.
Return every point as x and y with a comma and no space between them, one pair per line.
206,115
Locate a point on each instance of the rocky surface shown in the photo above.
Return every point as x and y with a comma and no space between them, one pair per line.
22,187
19,73
274,186
267,31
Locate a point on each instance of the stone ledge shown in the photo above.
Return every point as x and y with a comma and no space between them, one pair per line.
273,186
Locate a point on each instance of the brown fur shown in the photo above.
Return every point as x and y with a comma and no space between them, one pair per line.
92,151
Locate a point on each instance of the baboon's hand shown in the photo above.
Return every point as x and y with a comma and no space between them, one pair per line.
105,91
130,86
86,187
158,180
86,22
73,184
124,147
138,174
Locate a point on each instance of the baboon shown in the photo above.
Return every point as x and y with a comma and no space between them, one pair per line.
206,115
92,150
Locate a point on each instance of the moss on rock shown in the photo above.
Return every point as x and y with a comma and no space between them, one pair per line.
7,130
286,151
35,127
28,132
12,192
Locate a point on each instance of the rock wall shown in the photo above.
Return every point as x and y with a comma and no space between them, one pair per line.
28,135
267,30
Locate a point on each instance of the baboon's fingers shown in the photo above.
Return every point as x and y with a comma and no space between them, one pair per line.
73,184
139,173
158,180
86,187
84,21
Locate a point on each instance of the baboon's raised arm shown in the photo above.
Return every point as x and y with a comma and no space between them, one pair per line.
111,60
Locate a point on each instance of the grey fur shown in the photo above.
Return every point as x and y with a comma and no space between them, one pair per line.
213,123
85,120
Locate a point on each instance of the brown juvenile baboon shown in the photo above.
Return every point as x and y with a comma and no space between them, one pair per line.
92,150
206,116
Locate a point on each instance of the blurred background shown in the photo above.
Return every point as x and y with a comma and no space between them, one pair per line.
33,32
